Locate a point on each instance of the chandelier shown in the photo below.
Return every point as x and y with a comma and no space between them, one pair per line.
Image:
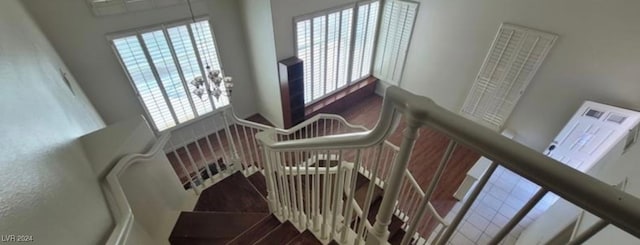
216,84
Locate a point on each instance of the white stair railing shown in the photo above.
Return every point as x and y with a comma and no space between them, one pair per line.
613,206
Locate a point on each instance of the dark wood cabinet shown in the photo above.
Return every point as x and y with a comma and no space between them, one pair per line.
291,73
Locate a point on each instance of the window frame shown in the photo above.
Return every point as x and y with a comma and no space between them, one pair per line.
354,8
406,52
138,32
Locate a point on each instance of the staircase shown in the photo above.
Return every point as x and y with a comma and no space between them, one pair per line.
367,193
235,211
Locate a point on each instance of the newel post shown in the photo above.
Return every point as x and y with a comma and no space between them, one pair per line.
380,233
269,171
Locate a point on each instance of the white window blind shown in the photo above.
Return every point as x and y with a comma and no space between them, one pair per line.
161,63
366,21
398,18
515,56
325,42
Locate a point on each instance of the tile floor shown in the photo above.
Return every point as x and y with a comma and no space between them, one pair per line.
502,197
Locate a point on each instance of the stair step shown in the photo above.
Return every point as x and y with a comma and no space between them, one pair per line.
195,241
324,163
305,238
256,232
395,226
212,227
259,182
360,195
397,238
361,180
233,194
282,234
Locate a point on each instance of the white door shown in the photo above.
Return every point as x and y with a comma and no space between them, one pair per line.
590,134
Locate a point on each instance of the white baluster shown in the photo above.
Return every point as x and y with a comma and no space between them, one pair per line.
230,140
294,201
246,143
349,201
316,194
225,154
424,204
212,151
182,166
259,160
466,205
300,191
337,194
369,196
326,197
272,188
202,157
192,162
380,233
307,190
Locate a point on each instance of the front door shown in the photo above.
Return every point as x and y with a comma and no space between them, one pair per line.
590,134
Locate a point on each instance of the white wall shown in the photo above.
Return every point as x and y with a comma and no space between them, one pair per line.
80,38
594,58
261,44
48,188
152,188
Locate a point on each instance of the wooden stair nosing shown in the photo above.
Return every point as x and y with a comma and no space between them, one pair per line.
259,182
397,238
233,194
282,234
214,225
257,231
360,195
305,238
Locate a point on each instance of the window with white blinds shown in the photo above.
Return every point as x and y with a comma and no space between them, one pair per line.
515,55
161,62
398,18
333,53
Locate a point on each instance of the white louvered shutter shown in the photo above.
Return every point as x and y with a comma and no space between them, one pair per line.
161,63
323,44
398,18
515,56
366,21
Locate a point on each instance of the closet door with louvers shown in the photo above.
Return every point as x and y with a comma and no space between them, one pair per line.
398,18
515,55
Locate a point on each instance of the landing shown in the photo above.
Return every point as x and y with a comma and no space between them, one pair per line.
234,194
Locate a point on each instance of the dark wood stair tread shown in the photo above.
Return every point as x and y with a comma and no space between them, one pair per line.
361,194
196,241
233,194
282,234
256,232
213,227
259,182
397,238
376,200
324,163
305,238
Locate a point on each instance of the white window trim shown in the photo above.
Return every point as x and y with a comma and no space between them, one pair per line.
164,26
354,6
